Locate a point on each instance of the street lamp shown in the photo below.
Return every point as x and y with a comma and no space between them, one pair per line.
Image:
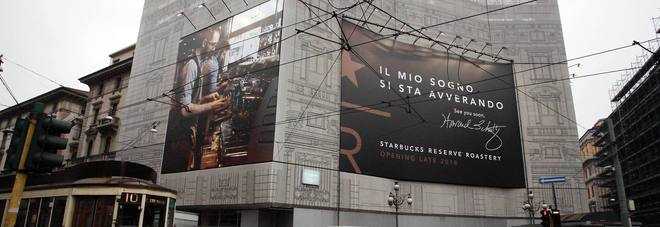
396,200
153,127
529,206
203,5
182,14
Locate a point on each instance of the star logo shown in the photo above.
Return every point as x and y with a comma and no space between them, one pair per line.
349,67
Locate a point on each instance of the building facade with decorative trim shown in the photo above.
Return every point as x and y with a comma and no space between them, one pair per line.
308,86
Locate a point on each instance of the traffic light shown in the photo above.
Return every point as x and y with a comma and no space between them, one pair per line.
46,142
16,145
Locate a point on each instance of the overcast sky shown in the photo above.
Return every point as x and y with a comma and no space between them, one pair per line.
66,40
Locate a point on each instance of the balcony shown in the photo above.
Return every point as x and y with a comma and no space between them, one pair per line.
105,125
108,124
91,158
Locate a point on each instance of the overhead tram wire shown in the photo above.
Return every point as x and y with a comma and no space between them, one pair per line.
410,108
316,91
409,32
554,63
278,42
376,104
388,104
302,31
326,13
336,113
319,17
481,68
490,73
419,30
342,37
339,8
11,93
527,70
179,61
150,99
34,72
450,21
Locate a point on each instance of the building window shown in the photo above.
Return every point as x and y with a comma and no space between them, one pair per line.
106,145
118,83
95,115
552,153
99,92
541,73
5,135
90,147
113,108
74,152
53,110
313,120
159,49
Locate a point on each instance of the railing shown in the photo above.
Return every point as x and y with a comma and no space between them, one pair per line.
91,158
104,125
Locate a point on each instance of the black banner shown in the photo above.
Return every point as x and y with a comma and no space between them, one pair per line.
414,113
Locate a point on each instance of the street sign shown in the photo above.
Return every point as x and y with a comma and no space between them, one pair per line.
552,179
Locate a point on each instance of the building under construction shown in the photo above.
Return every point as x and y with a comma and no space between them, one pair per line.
635,139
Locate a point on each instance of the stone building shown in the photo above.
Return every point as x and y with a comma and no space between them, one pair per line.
244,195
593,180
65,103
101,121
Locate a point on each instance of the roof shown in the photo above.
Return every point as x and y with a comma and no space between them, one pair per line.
590,132
97,173
107,72
55,94
125,49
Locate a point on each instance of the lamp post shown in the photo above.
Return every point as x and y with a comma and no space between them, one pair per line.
530,208
396,200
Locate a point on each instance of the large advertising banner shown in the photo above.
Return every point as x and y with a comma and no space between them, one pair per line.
414,113
224,93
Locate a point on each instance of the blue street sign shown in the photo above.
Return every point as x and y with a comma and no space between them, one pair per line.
552,179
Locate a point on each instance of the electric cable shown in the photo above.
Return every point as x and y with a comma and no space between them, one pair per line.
11,93
268,46
337,8
34,72
481,68
352,111
593,54
206,52
388,104
327,52
319,87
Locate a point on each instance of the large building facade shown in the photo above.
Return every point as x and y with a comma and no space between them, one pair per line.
306,140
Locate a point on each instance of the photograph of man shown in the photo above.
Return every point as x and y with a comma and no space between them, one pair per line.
198,94
224,73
